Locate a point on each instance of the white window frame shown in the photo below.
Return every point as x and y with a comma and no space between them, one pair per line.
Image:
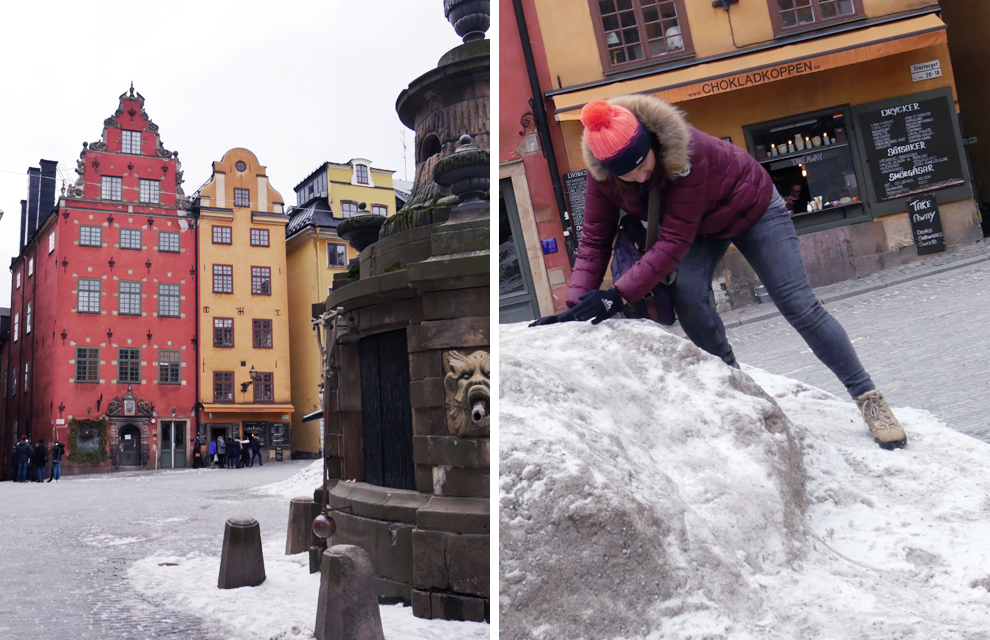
51,242
17,279
364,162
30,267
17,325
27,318
336,249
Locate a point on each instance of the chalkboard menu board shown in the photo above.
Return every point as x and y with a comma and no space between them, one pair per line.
575,184
279,434
911,145
926,224
257,428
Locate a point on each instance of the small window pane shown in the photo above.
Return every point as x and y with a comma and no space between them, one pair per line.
805,16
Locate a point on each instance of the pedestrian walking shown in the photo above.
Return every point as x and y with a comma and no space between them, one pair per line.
245,453
710,193
40,458
256,450
213,453
221,452
197,453
24,453
234,459
58,450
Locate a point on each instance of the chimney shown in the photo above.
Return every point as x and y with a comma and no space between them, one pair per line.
41,199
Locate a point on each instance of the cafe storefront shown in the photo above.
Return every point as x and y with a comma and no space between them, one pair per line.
855,129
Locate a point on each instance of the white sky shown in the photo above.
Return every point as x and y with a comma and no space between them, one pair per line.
296,82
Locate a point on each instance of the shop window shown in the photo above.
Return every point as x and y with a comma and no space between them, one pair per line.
789,16
813,166
633,33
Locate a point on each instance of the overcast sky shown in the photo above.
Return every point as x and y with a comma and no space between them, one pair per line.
296,82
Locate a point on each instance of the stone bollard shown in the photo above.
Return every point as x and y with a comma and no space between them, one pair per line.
242,563
300,535
348,605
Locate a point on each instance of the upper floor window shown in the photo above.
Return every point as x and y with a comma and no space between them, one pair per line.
89,296
221,235
242,197
348,208
336,255
27,376
361,173
261,281
259,237
130,298
223,386
17,280
150,191
379,210
17,325
111,187
169,361
264,387
130,142
635,32
800,15
262,334
130,238
90,236
168,300
223,278
129,365
223,332
13,383
87,364
168,241
30,267
27,319
51,242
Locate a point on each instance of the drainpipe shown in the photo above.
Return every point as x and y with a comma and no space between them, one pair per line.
196,332
543,128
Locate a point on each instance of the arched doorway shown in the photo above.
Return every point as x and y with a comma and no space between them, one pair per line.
130,446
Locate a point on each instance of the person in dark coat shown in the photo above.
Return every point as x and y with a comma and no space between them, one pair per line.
40,458
256,450
712,193
245,453
24,453
197,453
234,459
221,452
58,450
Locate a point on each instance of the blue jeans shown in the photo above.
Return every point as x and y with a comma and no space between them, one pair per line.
771,247
57,470
22,471
253,454
41,473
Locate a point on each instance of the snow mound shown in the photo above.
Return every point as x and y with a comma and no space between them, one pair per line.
649,491
303,483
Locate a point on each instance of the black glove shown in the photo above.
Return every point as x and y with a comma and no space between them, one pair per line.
598,305
566,316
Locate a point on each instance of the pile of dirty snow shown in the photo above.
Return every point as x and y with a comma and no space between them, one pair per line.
649,491
304,483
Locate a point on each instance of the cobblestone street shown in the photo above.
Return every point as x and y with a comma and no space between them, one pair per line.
66,546
918,331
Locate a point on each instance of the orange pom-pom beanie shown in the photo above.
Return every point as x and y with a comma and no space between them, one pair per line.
615,136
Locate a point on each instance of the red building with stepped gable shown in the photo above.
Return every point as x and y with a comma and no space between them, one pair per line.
105,356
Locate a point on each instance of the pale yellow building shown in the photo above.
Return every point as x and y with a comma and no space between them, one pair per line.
314,253
244,371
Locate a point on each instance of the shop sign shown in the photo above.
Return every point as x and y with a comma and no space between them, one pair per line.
926,71
753,78
926,225
910,146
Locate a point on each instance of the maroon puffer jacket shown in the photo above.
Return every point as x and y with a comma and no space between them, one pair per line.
708,188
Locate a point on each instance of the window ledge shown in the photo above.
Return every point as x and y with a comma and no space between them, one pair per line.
657,63
796,31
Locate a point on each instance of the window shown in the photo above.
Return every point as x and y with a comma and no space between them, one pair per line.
13,384
261,281
801,15
336,255
259,237
17,279
90,236
27,377
51,242
130,299
264,387
242,197
223,386
30,267
87,364
168,241
262,334
221,235
361,173
111,187
130,238
168,366
168,300
223,278
636,32
379,210
89,296
348,209
27,319
223,332
17,325
150,191
129,365
130,142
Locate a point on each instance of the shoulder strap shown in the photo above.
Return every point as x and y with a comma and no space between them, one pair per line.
653,219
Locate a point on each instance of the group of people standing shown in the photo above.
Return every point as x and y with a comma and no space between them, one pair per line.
234,454
31,461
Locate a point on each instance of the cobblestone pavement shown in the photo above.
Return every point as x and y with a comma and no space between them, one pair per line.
918,329
65,547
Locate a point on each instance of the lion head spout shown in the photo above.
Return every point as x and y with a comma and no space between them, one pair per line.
467,398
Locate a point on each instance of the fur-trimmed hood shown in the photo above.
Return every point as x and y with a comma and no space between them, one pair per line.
663,120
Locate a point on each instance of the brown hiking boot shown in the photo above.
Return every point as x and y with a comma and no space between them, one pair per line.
887,431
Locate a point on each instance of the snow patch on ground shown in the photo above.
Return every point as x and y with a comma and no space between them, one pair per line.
649,491
302,483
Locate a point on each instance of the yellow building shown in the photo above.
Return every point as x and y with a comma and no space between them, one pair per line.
244,373
314,254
